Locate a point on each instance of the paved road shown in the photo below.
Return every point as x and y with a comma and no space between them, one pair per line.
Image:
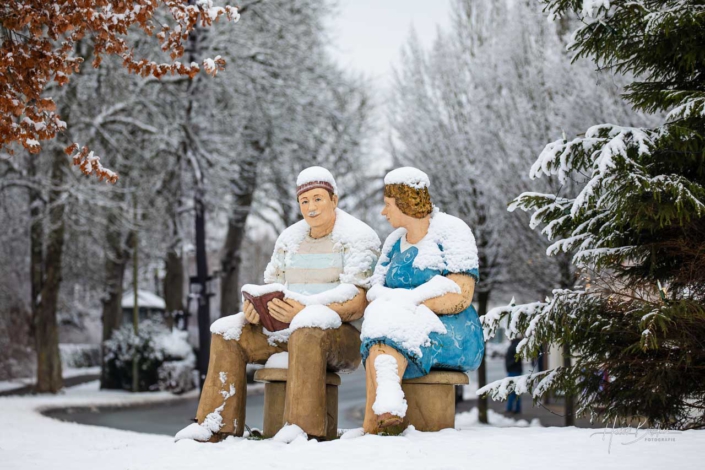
169,418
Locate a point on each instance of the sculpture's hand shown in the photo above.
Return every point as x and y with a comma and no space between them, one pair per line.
251,314
285,310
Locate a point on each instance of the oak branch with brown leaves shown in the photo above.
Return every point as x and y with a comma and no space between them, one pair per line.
38,42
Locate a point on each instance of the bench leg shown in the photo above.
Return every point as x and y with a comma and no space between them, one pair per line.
331,412
274,396
431,406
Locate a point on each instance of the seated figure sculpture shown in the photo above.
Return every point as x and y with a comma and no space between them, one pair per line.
324,264
420,314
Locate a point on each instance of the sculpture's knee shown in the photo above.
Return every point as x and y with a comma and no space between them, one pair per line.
308,338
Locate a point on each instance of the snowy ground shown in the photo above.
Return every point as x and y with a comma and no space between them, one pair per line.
16,384
29,440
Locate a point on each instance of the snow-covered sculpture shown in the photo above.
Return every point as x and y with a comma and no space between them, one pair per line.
420,314
323,265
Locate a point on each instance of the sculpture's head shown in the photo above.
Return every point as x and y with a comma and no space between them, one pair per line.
317,194
406,196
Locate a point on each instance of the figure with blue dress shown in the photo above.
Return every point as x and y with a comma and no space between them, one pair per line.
420,316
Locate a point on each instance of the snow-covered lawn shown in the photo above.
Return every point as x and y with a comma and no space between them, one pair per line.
29,440
68,372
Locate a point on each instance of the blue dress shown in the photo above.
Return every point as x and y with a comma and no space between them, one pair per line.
461,348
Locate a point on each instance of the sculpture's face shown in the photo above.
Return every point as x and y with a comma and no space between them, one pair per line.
318,207
394,215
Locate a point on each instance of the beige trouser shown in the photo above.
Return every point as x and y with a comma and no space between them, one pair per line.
312,351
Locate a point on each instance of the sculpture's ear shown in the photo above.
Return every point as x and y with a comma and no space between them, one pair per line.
334,198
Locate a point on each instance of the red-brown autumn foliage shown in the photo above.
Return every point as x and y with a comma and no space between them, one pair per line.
38,40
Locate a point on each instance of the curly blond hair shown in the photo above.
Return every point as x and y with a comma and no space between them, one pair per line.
410,201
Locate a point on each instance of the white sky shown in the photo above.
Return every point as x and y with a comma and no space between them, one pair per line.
369,34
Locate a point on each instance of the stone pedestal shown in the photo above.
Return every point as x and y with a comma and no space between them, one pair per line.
275,395
431,400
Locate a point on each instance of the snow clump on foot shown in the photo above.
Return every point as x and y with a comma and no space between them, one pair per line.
229,327
289,433
408,176
390,396
194,432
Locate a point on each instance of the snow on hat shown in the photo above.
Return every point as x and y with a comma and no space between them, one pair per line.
408,176
315,177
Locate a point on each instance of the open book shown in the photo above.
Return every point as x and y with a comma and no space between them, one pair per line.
259,297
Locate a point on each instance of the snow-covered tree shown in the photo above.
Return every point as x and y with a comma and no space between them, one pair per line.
475,110
38,47
632,221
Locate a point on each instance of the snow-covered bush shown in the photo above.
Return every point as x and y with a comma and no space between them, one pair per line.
79,355
164,357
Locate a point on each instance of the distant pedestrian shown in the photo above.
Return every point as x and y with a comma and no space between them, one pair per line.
514,368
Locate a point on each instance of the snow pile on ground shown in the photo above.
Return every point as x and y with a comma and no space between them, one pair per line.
469,419
448,246
408,176
278,361
390,397
30,440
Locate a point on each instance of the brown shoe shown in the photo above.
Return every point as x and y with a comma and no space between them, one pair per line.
386,420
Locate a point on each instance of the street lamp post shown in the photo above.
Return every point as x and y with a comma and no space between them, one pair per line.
204,294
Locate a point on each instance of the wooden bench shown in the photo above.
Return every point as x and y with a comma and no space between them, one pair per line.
275,395
431,400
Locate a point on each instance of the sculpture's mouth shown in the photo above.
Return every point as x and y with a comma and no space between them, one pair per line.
313,215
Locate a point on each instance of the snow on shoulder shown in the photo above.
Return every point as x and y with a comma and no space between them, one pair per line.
359,243
448,246
314,174
408,176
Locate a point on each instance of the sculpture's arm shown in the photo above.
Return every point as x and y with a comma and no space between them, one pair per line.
451,303
353,309
349,310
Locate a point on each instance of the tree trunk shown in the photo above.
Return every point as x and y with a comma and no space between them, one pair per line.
567,282
244,189
36,241
482,300
174,285
569,411
115,264
45,324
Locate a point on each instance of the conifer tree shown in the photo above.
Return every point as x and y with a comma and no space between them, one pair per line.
635,227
